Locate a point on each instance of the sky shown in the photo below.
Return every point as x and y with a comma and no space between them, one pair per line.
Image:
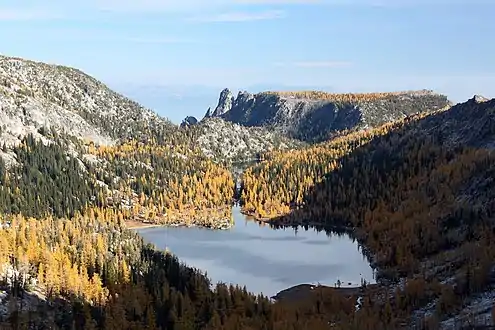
176,56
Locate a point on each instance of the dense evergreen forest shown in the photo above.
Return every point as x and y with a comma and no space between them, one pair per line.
166,185
141,182
280,183
418,194
46,182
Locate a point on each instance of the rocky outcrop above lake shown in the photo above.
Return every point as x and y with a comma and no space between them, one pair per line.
313,116
225,103
220,139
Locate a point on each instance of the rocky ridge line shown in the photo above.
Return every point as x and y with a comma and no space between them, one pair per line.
314,116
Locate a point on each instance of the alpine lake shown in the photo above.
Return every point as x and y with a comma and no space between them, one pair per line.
263,259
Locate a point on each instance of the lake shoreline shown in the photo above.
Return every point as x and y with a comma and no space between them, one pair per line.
217,225
175,245
276,222
303,291
352,231
134,225
216,218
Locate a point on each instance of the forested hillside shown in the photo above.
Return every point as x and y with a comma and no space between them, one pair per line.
426,181
80,163
163,185
138,182
280,183
76,266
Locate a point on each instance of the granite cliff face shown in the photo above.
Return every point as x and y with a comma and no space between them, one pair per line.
314,116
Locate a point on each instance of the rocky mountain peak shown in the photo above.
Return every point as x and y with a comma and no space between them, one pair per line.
189,121
313,116
36,95
243,97
208,113
47,101
479,99
225,102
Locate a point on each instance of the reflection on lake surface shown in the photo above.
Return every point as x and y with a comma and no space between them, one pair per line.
264,259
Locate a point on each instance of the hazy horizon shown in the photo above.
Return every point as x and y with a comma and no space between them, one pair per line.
178,102
348,46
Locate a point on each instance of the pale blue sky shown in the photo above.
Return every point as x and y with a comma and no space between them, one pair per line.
164,52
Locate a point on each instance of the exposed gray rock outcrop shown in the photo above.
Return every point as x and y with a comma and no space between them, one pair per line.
189,121
208,113
220,139
314,116
225,102
36,96
479,99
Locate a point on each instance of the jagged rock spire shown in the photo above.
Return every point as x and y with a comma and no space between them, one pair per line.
208,113
225,102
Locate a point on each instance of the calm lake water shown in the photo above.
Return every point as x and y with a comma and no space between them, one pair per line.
264,259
